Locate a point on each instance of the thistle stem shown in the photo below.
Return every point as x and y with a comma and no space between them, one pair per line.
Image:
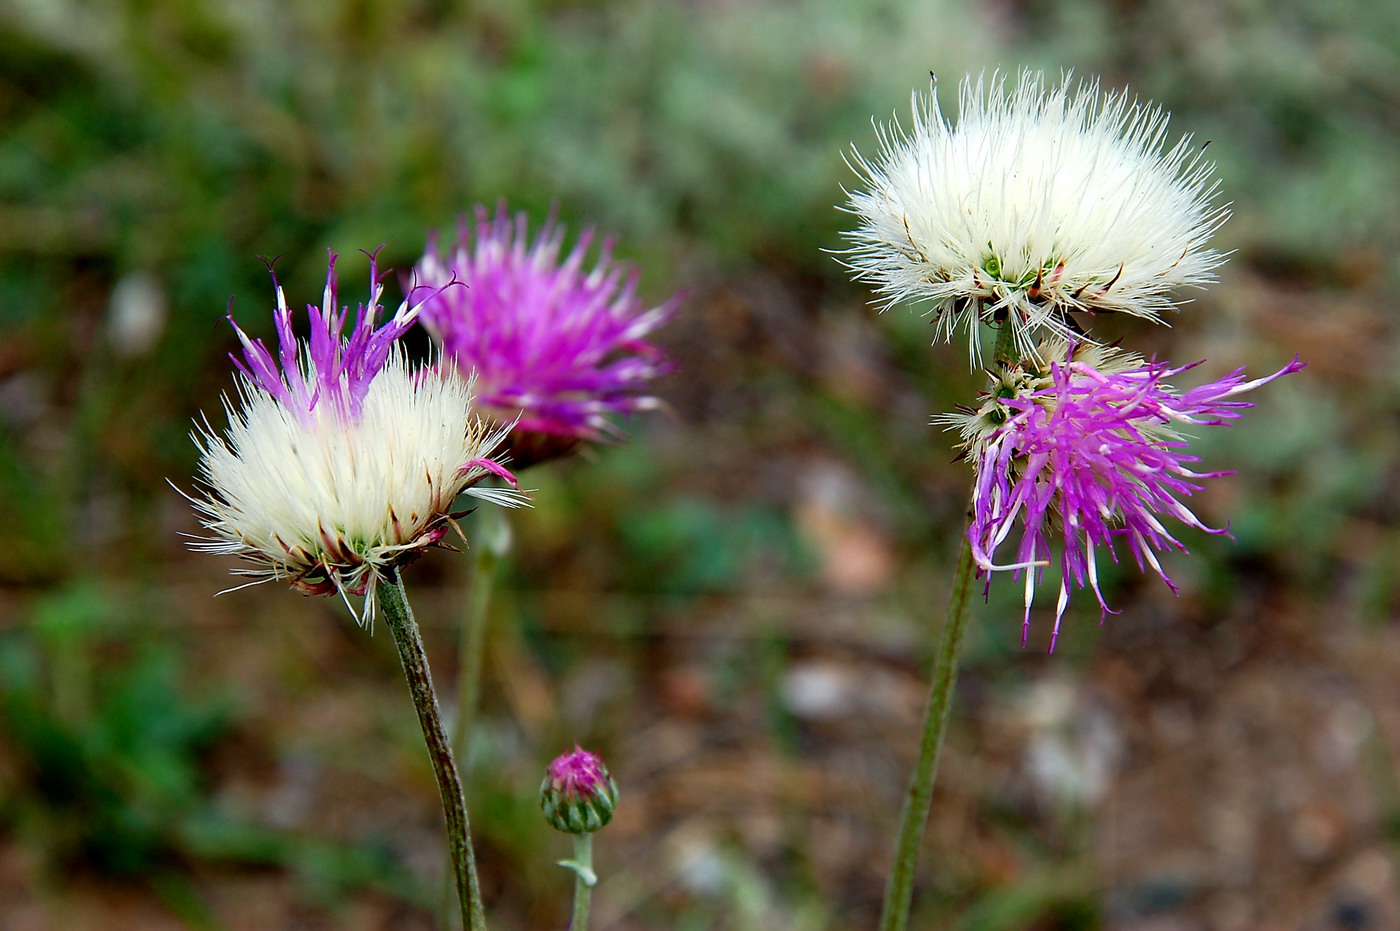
393,604
1004,352
899,892
471,649
584,879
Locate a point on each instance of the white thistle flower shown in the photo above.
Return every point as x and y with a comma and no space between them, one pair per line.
340,461
1041,201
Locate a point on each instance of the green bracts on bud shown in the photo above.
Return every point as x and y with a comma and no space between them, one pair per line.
578,795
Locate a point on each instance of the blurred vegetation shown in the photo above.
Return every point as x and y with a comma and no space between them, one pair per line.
109,751
105,783
667,596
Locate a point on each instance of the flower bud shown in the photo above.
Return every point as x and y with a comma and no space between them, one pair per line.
577,795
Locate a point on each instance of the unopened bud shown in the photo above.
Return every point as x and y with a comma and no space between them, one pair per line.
577,795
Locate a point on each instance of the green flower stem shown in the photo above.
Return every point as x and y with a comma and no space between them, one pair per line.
1004,351
471,648
393,604
584,880
900,890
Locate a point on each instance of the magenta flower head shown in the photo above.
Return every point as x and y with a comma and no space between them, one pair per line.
578,795
554,343
340,461
1086,449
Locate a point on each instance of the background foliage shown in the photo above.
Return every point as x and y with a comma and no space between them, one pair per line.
736,605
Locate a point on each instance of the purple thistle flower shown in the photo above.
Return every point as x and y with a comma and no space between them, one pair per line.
553,343
1088,451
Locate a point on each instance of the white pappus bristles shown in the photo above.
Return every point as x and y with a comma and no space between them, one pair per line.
329,503
341,460
1040,201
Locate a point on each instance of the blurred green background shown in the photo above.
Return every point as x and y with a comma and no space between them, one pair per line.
736,606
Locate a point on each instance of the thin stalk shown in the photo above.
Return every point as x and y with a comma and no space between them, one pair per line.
1004,352
900,890
393,604
471,647
584,879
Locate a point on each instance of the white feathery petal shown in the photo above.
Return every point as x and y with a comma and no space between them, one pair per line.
1040,201
338,500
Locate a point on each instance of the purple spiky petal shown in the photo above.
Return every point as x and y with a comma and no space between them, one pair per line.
337,370
559,345
1094,459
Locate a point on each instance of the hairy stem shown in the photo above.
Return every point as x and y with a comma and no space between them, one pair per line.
899,891
1004,352
393,604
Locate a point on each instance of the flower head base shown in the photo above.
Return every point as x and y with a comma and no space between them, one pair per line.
1041,202
340,461
578,795
553,343
1026,377
1089,451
